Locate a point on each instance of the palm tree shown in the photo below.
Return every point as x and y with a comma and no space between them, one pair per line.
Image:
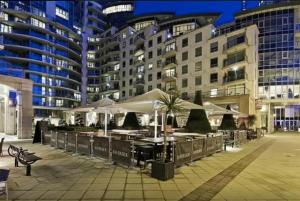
171,105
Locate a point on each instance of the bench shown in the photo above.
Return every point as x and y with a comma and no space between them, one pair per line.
228,142
23,156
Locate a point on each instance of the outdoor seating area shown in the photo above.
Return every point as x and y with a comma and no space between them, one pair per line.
132,145
134,149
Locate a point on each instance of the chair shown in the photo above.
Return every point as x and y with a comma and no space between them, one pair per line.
1,146
3,182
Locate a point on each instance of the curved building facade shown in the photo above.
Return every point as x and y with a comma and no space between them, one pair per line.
118,12
42,43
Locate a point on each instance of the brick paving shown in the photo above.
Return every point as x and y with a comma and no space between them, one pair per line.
273,175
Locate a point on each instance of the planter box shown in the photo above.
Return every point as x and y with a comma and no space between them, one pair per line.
162,171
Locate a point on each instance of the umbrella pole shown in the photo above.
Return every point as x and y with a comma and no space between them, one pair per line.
105,123
162,121
155,124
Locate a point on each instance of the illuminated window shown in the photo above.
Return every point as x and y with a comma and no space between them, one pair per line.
59,103
183,28
90,64
62,13
170,47
5,28
150,66
91,55
3,16
60,32
38,23
118,8
117,67
142,25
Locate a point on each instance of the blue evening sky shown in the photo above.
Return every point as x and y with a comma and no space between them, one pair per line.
181,7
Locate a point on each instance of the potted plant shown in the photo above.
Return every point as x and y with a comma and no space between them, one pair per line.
197,120
164,169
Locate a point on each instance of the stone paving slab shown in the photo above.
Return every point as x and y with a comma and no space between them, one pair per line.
61,176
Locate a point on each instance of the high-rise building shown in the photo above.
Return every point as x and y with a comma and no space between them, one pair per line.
278,62
42,43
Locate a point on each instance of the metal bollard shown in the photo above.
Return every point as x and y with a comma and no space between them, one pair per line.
92,146
56,137
66,141
76,143
41,137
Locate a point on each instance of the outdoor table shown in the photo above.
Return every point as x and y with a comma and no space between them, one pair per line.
178,134
144,152
126,136
157,141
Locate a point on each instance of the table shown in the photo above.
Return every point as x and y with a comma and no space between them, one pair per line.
178,134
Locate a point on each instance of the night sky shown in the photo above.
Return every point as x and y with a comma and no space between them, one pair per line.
181,7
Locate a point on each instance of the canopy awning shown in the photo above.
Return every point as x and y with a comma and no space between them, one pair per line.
213,109
90,107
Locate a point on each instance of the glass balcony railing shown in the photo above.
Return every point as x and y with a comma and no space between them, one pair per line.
237,91
234,59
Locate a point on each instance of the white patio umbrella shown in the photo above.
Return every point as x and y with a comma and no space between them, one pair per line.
150,102
89,107
213,109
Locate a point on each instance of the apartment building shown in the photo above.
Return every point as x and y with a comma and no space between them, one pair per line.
163,51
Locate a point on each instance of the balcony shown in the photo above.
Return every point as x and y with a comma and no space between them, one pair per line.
169,77
139,39
238,91
139,61
237,59
233,76
139,82
171,52
236,45
111,88
139,50
170,63
297,30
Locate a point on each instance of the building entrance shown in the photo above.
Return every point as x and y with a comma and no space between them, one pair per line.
287,118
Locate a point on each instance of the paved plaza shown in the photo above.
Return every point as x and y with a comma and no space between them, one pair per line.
265,169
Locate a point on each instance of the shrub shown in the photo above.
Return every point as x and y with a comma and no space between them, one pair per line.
197,120
131,121
228,121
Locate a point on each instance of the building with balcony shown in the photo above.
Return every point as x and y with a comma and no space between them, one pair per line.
164,51
42,43
278,61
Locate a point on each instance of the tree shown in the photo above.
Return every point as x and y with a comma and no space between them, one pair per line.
197,120
228,121
171,120
251,120
171,105
131,121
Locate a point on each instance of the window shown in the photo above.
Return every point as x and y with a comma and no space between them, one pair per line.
183,28
150,55
198,80
130,72
150,43
198,66
38,23
214,62
213,77
198,51
62,13
184,69
124,64
150,77
159,63
150,66
118,8
158,86
130,82
149,87
130,92
123,93
185,56
59,103
159,52
131,41
91,55
158,39
130,61
214,47
158,75
124,54
123,83
124,73
185,42
90,64
5,28
198,37
184,83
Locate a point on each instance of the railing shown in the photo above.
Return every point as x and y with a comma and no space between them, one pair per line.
140,81
169,76
226,92
236,41
227,79
234,59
